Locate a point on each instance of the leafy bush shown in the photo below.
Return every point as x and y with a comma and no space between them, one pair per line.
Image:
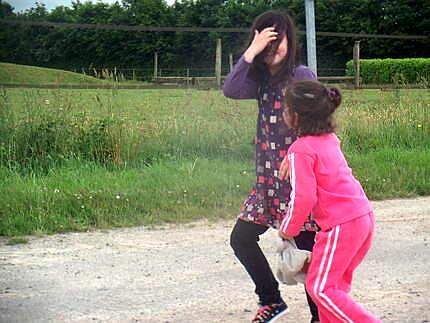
389,71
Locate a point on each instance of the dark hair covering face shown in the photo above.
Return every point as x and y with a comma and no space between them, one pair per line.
284,25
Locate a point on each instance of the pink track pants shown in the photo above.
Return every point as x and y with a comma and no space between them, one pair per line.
335,256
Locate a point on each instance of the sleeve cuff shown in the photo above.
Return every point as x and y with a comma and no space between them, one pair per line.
243,61
292,230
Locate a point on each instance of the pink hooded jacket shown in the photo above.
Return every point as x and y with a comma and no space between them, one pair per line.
322,184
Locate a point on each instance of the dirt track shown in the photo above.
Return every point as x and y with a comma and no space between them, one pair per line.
188,274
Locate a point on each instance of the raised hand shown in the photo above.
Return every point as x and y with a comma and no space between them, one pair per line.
260,42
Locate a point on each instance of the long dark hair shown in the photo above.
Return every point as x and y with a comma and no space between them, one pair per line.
284,26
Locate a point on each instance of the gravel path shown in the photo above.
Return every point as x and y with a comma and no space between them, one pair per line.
187,273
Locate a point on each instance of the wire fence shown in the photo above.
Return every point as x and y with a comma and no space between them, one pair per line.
189,74
147,74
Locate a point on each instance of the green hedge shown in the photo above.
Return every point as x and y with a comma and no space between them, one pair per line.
388,70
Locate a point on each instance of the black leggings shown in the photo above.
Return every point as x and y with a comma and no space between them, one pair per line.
244,241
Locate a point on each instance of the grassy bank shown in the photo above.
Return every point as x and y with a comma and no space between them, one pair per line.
75,160
15,73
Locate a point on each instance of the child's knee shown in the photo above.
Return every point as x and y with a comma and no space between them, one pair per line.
242,237
314,291
238,240
310,286
234,240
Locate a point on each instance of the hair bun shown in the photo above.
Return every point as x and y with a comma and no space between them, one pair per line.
335,96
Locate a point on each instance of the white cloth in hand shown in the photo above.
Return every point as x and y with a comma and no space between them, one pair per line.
290,263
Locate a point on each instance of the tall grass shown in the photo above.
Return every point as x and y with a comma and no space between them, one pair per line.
75,160
105,127
45,133
386,136
394,120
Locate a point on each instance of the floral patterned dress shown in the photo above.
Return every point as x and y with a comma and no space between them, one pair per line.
268,200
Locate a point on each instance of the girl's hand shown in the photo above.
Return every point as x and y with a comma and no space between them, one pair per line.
284,171
285,236
260,42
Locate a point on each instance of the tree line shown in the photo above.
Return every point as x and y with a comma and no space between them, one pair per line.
75,48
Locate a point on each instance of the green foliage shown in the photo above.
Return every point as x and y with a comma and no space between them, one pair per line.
392,172
76,160
16,240
47,132
76,48
6,10
388,71
80,196
372,120
100,141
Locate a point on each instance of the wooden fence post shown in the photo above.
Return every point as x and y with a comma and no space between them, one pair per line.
218,62
155,65
188,77
356,60
230,61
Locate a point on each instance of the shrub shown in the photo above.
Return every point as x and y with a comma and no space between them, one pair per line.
389,71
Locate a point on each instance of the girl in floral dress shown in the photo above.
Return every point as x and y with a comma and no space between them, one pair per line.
264,72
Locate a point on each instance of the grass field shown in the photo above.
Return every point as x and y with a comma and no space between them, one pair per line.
14,73
76,160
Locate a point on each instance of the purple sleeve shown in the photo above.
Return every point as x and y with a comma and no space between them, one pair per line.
303,73
238,85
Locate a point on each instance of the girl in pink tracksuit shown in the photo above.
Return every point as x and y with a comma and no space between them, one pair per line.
323,185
